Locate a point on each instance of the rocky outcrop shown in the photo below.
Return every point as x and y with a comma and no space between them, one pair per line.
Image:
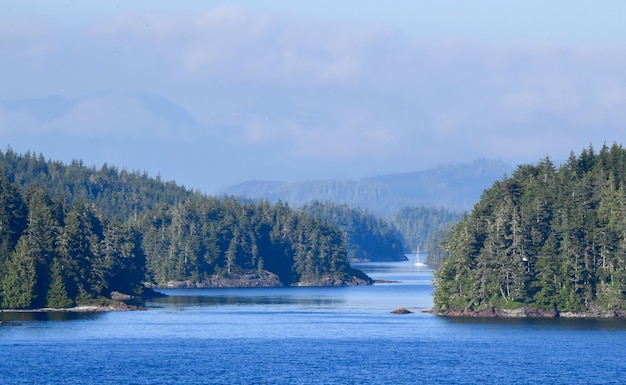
269,279
247,279
594,314
401,310
353,278
526,312
117,296
523,312
108,305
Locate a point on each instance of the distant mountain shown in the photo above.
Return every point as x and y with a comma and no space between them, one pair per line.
132,129
454,187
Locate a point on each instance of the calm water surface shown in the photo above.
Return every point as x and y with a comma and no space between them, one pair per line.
307,336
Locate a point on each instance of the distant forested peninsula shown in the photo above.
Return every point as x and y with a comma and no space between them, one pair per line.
368,237
543,242
71,234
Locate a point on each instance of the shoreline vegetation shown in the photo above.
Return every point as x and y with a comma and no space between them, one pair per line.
266,279
545,242
120,306
72,234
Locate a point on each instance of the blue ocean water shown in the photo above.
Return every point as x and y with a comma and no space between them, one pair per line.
307,336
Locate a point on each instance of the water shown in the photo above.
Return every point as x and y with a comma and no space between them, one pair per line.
307,336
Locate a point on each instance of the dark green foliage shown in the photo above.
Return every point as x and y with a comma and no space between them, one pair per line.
19,280
368,237
12,216
57,296
72,234
120,194
545,238
198,239
66,255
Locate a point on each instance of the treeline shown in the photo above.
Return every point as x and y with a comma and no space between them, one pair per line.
55,255
545,238
116,193
368,236
70,233
200,238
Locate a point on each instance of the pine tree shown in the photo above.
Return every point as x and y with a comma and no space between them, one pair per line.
57,296
19,284
552,239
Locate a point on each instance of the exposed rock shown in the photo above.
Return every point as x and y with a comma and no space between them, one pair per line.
119,306
526,312
117,296
593,314
107,305
328,280
523,312
247,279
269,279
401,310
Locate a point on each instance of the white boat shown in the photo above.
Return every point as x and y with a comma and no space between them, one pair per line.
418,261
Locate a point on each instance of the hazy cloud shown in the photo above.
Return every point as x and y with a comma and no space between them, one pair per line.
300,94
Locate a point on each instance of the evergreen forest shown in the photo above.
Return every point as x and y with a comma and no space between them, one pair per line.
70,234
422,229
546,238
368,236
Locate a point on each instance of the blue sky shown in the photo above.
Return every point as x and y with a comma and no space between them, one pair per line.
294,90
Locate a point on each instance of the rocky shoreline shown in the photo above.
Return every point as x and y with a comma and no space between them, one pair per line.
243,280
120,306
264,279
248,279
115,302
525,312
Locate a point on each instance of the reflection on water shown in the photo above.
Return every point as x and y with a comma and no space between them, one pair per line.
217,297
580,324
409,287
46,316
406,286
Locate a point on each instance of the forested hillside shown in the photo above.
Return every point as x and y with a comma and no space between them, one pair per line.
70,233
545,238
204,238
368,236
56,255
116,193
453,187
423,227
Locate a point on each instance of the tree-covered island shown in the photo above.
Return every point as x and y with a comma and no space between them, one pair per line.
72,235
546,241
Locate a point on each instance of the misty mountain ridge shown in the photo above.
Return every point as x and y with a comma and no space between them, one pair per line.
137,130
141,130
50,108
454,187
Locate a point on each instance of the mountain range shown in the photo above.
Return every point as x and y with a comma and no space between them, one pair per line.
454,187
145,131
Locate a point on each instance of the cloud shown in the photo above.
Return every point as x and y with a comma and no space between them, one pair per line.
308,94
246,46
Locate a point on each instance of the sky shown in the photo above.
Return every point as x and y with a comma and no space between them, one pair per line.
214,93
